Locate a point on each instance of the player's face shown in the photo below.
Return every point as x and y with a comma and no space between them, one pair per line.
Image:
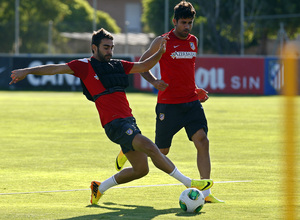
105,50
183,27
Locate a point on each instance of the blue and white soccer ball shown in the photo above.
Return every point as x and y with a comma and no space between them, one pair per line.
191,200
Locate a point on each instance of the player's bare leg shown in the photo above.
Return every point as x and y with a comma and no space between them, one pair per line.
143,144
203,158
138,159
140,168
145,147
203,162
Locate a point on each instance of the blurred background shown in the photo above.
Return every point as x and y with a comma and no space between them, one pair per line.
240,41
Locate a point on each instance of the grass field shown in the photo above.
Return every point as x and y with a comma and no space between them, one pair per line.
52,146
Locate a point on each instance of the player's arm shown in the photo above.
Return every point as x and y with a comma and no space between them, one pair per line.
157,83
150,62
202,93
50,69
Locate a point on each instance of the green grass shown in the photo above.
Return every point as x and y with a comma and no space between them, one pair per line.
53,141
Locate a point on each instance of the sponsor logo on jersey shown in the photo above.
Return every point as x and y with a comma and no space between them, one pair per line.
192,45
183,55
161,116
129,131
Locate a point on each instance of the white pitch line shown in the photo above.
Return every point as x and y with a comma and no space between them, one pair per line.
117,187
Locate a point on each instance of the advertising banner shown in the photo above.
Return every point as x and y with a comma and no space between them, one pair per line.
221,75
273,76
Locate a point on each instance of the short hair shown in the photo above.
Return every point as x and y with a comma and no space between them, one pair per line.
184,9
99,35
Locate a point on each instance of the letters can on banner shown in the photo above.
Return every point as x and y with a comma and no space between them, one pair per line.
60,82
54,80
46,82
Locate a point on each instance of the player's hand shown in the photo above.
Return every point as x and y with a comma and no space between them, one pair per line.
163,43
17,75
202,95
160,85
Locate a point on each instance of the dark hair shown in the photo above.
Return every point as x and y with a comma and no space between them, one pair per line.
99,35
184,9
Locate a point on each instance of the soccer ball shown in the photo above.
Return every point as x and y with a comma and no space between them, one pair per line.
191,200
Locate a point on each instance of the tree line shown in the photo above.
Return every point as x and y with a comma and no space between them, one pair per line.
36,17
221,22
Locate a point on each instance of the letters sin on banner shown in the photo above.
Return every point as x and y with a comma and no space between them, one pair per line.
222,75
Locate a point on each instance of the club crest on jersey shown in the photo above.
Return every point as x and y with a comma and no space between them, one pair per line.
129,131
161,116
192,45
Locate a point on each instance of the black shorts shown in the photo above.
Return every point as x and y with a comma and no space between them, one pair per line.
170,118
122,131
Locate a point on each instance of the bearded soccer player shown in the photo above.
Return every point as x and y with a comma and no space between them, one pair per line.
179,99
104,82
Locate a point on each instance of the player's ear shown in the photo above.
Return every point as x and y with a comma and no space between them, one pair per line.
94,48
174,21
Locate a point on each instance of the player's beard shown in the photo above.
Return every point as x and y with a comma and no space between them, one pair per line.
104,58
184,33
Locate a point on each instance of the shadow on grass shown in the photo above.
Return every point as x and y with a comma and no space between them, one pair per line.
120,211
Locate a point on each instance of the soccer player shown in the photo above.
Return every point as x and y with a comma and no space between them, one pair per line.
178,103
104,81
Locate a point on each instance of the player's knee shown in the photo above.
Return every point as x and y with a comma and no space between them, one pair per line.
141,172
204,140
152,150
203,147
200,137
